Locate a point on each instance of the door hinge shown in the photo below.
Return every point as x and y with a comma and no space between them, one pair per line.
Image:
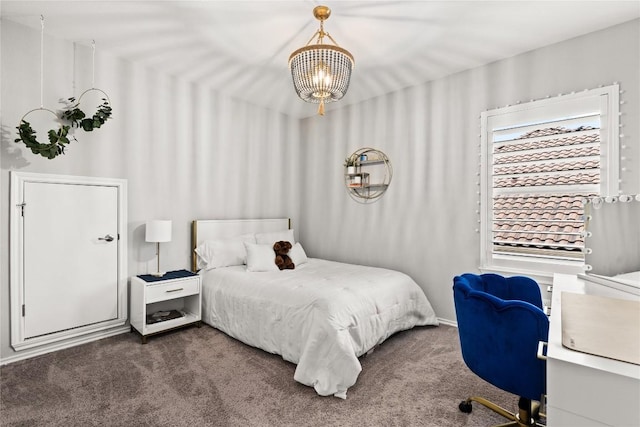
118,236
21,206
22,310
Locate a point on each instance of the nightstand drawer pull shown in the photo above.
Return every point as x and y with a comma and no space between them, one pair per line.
174,290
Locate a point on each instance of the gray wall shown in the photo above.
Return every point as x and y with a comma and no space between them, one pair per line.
425,225
188,153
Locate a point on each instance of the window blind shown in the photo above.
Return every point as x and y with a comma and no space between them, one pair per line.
540,174
538,161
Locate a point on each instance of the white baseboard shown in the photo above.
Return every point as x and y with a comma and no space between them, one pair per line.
27,354
448,322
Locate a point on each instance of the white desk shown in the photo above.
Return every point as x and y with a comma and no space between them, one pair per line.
582,389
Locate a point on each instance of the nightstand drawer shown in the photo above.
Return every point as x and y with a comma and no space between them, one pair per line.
177,289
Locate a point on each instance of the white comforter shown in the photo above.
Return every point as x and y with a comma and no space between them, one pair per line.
320,316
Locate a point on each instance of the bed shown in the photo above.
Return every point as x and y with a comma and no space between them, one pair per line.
322,315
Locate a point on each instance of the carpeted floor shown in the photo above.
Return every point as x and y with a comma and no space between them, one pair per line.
201,377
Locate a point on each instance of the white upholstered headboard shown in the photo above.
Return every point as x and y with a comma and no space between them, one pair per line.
213,229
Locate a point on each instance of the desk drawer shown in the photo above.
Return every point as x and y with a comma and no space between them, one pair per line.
177,289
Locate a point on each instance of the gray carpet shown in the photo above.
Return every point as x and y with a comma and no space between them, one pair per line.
201,377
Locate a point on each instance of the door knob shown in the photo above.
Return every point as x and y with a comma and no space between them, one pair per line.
108,238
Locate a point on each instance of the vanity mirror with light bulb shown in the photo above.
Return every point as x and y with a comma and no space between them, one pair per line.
593,351
612,242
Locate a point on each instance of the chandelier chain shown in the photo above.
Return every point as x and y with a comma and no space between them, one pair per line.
331,38
313,37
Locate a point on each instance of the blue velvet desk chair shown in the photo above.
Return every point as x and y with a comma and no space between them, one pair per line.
500,322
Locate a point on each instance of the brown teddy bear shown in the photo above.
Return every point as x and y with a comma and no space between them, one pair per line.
283,261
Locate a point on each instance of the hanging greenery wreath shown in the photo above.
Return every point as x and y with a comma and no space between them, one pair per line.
57,140
79,119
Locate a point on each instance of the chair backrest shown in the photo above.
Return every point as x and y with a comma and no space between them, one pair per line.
500,321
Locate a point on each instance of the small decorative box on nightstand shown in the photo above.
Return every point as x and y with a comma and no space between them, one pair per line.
162,303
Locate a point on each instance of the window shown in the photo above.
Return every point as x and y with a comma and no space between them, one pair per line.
540,160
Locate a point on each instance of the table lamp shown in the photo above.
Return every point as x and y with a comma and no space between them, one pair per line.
158,231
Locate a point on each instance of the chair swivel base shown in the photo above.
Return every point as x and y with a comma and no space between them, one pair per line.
526,417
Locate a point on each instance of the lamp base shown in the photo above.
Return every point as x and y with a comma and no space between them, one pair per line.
158,273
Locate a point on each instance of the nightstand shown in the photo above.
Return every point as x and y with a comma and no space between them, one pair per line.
159,304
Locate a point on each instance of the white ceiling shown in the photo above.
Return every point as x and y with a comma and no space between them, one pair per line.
241,48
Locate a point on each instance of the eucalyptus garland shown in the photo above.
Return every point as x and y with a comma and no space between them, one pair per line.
57,140
79,119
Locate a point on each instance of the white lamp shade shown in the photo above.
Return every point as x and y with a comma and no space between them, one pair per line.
158,231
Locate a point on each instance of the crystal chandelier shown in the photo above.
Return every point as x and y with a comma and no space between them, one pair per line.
321,72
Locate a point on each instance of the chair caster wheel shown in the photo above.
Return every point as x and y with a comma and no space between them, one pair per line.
465,407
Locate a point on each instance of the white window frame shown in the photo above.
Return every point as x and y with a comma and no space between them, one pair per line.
534,112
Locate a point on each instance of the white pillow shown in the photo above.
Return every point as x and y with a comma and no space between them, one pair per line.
224,252
298,255
260,257
275,236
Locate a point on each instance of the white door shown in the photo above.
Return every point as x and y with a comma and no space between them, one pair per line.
70,246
